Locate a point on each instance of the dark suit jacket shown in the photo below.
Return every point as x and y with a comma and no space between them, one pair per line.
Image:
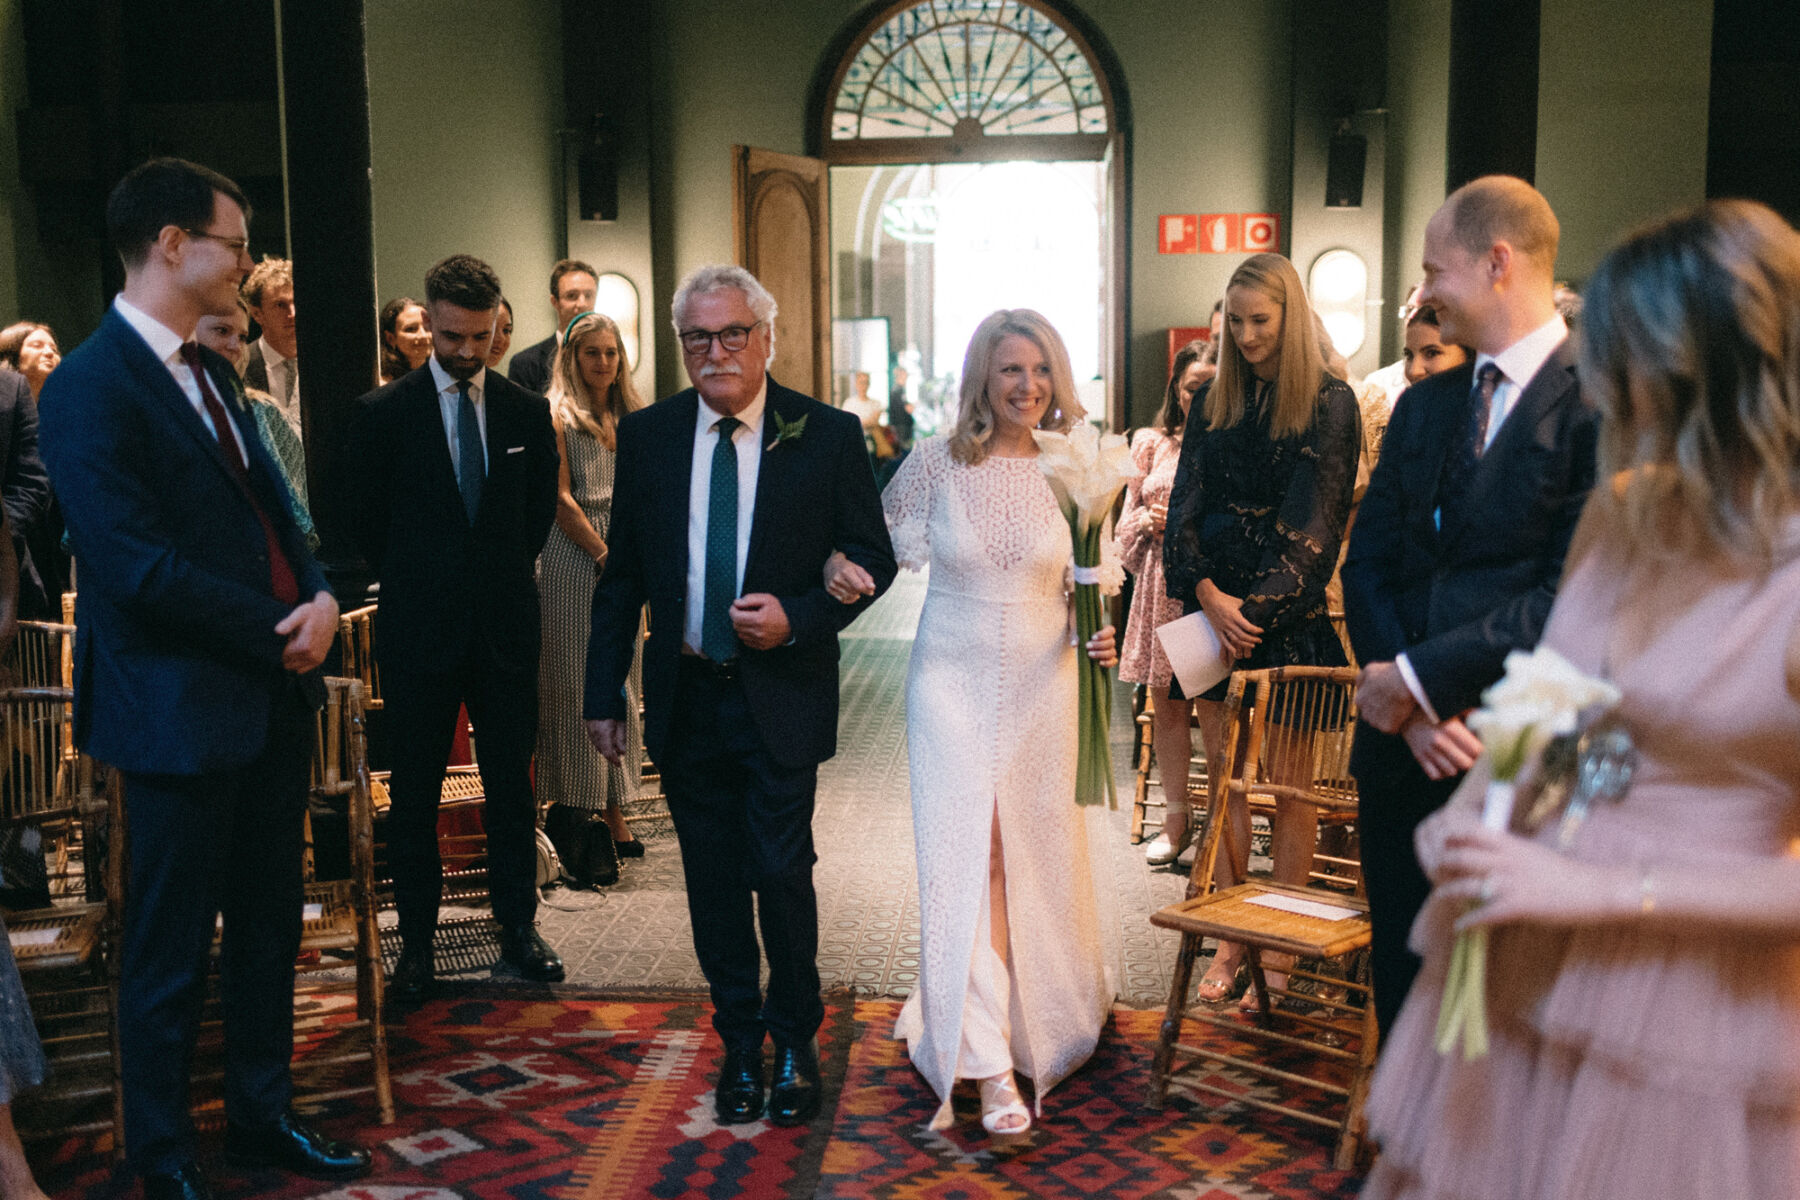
1457,600
256,371
530,367
814,494
176,655
449,587
24,484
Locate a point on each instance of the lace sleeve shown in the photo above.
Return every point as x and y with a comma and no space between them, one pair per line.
1184,564
1310,525
906,503
1137,536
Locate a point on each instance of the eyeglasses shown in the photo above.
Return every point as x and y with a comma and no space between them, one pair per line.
239,246
732,337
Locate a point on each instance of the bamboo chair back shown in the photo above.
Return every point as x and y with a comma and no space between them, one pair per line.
44,655
356,642
1288,735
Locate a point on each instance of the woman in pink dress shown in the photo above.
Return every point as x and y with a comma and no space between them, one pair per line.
1156,449
1644,995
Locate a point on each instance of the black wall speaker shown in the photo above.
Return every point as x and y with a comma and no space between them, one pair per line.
597,172
1344,170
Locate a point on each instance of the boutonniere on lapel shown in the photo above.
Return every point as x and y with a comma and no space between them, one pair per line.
785,431
238,396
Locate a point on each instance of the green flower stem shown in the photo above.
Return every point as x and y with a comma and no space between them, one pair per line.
1093,765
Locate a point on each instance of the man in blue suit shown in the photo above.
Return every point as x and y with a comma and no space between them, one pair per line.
200,630
728,500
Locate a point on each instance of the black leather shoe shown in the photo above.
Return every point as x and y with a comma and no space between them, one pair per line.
523,950
294,1147
415,975
632,849
794,1098
184,1183
739,1097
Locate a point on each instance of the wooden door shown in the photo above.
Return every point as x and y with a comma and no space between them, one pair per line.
781,233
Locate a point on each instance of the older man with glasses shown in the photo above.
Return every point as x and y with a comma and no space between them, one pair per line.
728,500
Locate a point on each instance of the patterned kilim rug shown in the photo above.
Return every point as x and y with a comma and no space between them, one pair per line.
529,1094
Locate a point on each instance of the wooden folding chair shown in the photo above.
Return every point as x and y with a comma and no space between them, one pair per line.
340,915
1302,719
60,804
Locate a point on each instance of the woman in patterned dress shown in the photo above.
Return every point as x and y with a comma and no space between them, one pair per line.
590,389
1257,511
1155,449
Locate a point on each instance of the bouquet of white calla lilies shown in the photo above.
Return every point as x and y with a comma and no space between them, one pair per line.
1087,470
1541,696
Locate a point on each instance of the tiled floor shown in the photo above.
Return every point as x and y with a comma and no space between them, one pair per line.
636,933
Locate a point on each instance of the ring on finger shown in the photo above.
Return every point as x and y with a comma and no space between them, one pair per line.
1486,894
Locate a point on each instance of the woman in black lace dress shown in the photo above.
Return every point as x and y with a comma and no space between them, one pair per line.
1261,495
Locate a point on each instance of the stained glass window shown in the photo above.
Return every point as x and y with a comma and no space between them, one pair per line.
960,68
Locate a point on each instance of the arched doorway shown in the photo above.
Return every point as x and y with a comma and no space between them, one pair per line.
977,152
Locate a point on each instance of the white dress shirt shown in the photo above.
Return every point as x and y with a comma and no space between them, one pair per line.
1518,363
166,344
277,368
747,440
449,400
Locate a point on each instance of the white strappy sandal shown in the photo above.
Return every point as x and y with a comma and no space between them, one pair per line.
1003,1110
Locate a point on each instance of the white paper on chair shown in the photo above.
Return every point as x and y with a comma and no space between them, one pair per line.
1306,908
1195,651
26,938
312,912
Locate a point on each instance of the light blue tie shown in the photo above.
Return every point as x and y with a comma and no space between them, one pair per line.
471,463
718,640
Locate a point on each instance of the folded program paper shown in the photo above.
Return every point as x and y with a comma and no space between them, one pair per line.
1195,651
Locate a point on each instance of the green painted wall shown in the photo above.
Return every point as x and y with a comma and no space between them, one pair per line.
1622,104
465,98
1418,99
1208,83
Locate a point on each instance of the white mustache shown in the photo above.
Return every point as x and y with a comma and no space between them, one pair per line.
710,370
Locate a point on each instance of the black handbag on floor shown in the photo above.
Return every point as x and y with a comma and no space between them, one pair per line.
584,842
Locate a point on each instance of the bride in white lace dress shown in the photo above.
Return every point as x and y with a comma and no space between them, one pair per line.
991,739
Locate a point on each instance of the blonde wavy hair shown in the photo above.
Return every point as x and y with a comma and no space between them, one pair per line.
571,403
1300,361
1690,348
975,416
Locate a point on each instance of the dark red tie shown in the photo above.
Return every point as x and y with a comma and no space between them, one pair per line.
282,583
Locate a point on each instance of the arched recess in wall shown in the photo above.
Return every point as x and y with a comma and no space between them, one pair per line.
912,82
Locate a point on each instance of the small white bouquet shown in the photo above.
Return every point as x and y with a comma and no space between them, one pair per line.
1542,696
1087,471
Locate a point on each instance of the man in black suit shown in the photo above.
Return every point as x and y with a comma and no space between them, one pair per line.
728,500
457,471
271,364
572,287
1460,540
202,623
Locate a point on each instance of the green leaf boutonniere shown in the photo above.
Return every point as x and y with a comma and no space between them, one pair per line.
786,431
237,393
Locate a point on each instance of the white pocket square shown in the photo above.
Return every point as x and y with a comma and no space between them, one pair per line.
515,449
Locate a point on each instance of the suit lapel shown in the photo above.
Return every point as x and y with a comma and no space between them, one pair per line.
678,470
1544,392
428,418
772,474
1442,421
164,395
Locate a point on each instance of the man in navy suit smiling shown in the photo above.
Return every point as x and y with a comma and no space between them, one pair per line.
199,633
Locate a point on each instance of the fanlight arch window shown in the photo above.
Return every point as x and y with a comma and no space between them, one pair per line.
941,80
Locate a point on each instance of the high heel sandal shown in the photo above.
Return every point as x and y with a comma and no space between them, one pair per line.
1220,980
1275,975
1003,1110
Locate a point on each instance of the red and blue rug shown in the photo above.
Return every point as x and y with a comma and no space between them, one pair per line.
515,1093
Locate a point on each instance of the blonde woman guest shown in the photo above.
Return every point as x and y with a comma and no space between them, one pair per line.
1644,995
1012,974
1256,514
1155,449
590,389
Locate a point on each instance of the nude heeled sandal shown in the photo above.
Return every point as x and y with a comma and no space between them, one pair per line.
1002,1106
